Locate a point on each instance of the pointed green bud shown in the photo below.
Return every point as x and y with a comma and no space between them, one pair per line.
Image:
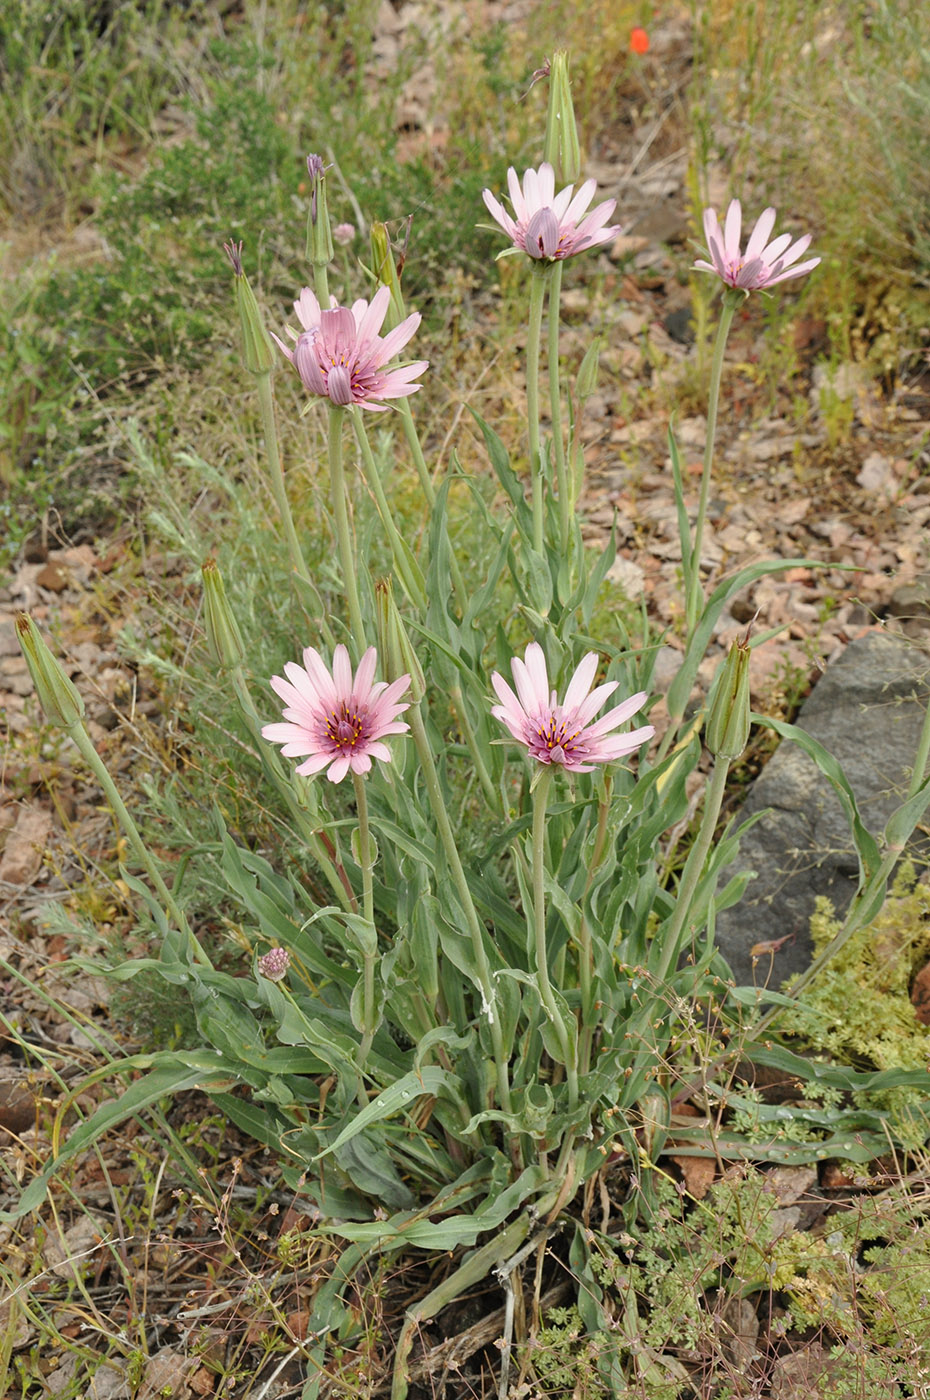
224,639
394,645
58,696
385,270
257,349
727,728
319,234
562,150
586,383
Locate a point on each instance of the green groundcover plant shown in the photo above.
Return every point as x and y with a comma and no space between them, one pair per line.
488,1007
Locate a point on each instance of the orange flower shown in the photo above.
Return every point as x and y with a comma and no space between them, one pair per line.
639,41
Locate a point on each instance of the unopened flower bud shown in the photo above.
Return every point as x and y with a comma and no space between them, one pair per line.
223,636
274,964
727,727
385,269
58,695
394,643
257,349
561,149
319,235
586,383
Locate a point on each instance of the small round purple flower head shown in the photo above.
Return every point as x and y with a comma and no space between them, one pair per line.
274,964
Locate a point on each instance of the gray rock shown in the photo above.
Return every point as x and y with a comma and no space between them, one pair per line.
867,710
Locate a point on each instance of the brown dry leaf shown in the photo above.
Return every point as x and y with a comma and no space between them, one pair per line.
167,1373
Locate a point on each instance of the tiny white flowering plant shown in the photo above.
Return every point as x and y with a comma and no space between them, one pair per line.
487,1008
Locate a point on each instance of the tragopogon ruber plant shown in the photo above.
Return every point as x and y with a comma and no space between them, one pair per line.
473,975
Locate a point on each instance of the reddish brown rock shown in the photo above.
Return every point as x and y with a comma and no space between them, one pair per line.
53,578
920,995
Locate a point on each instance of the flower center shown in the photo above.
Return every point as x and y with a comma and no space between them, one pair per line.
555,737
542,234
339,385
344,729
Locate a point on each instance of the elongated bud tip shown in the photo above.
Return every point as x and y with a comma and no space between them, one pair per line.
224,639
395,645
58,696
319,234
385,269
257,349
728,722
562,147
233,252
586,383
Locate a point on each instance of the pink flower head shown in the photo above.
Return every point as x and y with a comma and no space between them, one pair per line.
274,964
760,265
335,720
555,733
340,355
547,224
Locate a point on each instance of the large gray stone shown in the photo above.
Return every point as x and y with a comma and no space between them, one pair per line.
867,710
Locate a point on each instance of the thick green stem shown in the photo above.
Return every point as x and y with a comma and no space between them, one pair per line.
429,491
95,763
695,600
370,953
540,798
694,868
921,756
270,432
321,284
555,406
538,283
585,948
403,560
475,929
343,532
491,795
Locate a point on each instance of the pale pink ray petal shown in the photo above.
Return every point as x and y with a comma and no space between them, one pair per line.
321,678
590,706
395,340
315,764
364,675
581,681
731,231
307,309
759,236
581,201
546,183
373,317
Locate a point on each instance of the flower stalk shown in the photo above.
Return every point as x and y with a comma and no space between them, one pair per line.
64,707
534,335
543,780
404,562
695,599
368,1010
344,545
